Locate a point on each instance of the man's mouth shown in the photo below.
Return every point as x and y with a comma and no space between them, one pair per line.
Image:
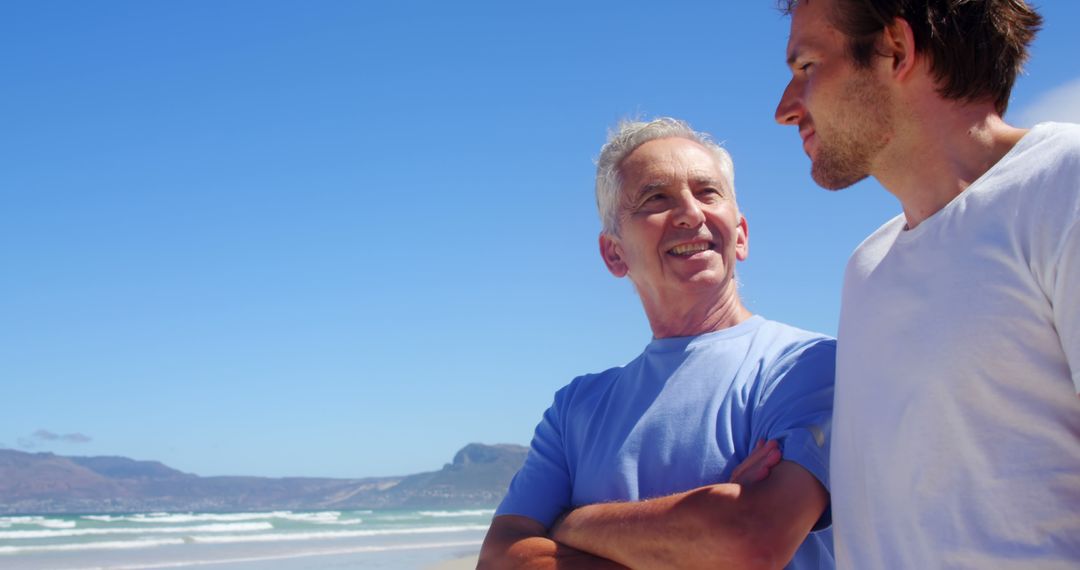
688,249
807,137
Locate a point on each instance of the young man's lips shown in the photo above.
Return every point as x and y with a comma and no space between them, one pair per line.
807,138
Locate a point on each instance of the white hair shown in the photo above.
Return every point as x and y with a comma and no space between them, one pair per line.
624,140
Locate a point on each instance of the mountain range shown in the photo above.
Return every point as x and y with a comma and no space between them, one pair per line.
44,483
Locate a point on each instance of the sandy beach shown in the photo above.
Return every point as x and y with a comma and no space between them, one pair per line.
466,563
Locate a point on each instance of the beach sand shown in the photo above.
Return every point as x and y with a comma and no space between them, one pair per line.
466,563
270,556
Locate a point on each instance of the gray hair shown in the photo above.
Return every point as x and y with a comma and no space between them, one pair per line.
627,137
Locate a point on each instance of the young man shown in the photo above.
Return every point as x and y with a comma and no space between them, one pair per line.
956,440
631,466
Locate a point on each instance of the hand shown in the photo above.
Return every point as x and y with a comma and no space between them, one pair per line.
553,530
756,466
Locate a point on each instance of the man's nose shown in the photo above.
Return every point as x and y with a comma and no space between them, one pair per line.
789,111
687,213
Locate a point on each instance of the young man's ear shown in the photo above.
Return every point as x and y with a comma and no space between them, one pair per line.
611,251
898,44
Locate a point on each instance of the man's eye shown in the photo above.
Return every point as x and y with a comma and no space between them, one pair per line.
805,67
652,203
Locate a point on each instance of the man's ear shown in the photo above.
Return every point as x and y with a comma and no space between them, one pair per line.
742,239
898,44
611,251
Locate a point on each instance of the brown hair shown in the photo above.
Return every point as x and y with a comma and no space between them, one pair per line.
976,47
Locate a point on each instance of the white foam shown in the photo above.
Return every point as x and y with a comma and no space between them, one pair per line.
115,545
8,522
100,518
472,513
321,517
21,519
333,534
174,518
345,522
400,518
56,524
230,527
325,517
219,539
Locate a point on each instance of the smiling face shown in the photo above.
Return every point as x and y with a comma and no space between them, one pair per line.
680,231
843,112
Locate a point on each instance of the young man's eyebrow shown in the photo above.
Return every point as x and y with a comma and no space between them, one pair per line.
794,55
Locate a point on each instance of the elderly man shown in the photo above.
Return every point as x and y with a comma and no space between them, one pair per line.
630,467
957,435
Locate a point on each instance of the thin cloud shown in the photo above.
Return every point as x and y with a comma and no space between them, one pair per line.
1061,104
43,436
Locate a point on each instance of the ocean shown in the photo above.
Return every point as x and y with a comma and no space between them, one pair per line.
278,540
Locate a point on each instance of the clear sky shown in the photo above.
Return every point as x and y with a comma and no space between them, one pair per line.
336,238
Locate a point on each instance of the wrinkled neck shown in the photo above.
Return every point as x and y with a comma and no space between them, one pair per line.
691,317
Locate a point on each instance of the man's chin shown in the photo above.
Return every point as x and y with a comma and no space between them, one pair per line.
705,281
833,181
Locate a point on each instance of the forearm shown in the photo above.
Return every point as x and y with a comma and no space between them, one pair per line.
719,526
516,544
703,528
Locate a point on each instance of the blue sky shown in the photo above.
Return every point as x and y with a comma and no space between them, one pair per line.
346,238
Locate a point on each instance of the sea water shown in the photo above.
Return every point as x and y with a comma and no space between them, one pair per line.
279,540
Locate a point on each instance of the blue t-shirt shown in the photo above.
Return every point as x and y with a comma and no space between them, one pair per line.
681,415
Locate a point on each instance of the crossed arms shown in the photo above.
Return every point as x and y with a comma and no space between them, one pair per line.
756,521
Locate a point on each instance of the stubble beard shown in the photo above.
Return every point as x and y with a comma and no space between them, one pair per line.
848,147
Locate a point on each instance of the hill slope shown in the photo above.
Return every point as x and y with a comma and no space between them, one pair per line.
47,483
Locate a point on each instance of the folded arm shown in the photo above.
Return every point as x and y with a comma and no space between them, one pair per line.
522,543
757,525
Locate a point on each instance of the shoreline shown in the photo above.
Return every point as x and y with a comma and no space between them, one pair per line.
465,562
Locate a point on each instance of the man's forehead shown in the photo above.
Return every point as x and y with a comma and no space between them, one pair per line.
664,179
659,154
680,163
810,28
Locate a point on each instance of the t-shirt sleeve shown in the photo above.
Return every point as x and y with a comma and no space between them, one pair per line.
1066,308
541,489
796,409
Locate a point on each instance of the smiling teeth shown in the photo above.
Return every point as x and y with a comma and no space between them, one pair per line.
689,248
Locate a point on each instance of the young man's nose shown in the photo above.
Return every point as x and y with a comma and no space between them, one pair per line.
789,110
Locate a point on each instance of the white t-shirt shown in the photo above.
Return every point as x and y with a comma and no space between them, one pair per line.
956,435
